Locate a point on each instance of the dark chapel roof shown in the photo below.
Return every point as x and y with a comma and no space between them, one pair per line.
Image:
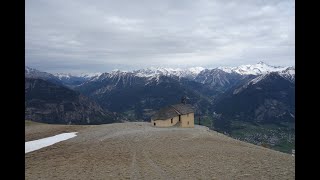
172,111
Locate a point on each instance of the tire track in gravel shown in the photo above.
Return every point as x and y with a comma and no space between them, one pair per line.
134,172
161,173
134,167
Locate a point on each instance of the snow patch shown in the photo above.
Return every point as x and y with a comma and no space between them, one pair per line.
89,75
63,75
196,70
291,115
257,79
41,143
226,69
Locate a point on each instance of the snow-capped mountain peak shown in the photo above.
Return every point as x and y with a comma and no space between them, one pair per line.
289,70
81,75
90,75
196,70
255,69
262,63
63,75
31,72
27,69
288,73
153,72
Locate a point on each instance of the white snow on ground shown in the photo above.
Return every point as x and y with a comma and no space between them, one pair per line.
40,143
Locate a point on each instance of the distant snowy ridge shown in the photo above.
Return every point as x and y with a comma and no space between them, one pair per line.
31,72
34,73
153,73
256,69
288,73
63,75
81,75
28,69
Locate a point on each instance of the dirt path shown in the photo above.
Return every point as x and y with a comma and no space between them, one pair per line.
140,151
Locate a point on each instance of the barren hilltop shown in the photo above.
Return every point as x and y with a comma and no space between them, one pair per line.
136,150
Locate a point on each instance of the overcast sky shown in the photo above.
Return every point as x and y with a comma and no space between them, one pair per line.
101,35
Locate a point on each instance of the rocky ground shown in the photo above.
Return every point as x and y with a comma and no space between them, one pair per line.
140,151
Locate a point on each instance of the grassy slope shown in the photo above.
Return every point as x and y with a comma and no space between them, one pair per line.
277,137
268,135
31,123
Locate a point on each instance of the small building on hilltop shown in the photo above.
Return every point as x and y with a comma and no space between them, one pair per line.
181,115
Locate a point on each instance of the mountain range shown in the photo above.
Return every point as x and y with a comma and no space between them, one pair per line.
226,99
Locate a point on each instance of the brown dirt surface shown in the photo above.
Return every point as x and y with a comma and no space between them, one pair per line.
34,130
140,151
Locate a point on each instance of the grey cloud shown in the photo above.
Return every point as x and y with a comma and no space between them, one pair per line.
100,35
